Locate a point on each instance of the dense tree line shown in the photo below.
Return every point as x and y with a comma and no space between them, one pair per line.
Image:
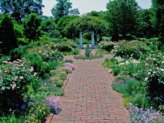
19,9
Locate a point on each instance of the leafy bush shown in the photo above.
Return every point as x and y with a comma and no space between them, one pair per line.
14,78
155,84
130,49
64,47
18,52
108,46
49,27
37,111
23,41
31,26
8,39
18,30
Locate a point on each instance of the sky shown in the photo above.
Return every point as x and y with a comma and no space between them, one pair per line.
85,6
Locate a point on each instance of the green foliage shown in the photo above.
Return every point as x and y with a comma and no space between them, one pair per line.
63,47
49,27
108,46
64,21
18,52
122,17
66,45
131,49
18,30
8,39
145,24
10,119
37,110
86,23
155,80
14,79
61,9
19,9
31,26
161,30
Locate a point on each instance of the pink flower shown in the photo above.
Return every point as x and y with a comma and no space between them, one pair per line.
13,86
31,69
53,101
69,65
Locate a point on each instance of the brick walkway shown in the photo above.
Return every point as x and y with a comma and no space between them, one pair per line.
89,97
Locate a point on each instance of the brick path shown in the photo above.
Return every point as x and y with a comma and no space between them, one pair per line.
89,97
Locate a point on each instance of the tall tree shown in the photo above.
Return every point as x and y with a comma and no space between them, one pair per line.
31,26
122,16
74,12
158,5
8,39
145,24
61,9
18,9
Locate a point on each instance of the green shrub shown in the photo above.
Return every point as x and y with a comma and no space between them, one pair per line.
37,111
116,70
23,41
55,90
64,47
18,52
108,46
31,26
18,30
155,85
10,119
50,28
35,60
14,79
8,39
106,38
133,49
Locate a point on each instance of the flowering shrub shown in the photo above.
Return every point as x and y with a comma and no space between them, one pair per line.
140,115
108,46
14,78
130,49
37,110
46,53
69,67
53,102
156,85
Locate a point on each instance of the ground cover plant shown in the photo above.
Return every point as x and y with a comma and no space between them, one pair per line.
139,79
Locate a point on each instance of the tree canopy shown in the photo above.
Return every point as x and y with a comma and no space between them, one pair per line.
122,16
8,39
86,23
19,9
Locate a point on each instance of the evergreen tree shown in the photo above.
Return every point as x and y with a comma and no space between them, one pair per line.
18,9
8,39
61,9
161,30
122,16
31,26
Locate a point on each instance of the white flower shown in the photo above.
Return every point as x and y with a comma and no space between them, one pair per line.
146,79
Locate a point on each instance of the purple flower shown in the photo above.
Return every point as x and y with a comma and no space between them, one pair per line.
69,65
53,101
